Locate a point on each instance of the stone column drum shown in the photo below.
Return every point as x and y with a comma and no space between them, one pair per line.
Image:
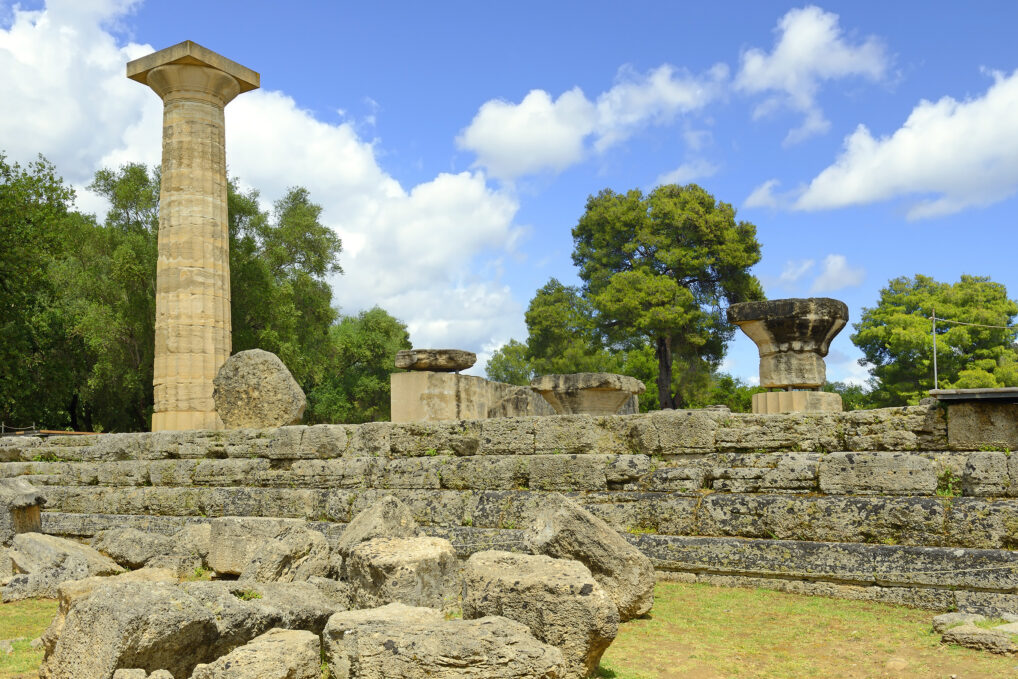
192,330
793,336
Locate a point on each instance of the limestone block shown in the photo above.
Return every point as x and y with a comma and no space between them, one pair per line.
132,625
986,475
254,389
683,431
972,522
567,472
386,517
130,547
403,642
324,441
945,621
978,424
587,393
414,439
414,571
295,554
564,530
557,599
771,402
72,591
507,436
565,434
45,561
484,472
682,479
438,396
971,636
234,540
20,509
766,472
435,360
277,654
877,474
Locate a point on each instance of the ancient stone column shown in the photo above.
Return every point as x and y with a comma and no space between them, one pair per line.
793,336
192,331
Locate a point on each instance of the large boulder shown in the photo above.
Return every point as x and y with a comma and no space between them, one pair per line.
386,518
147,626
152,625
20,509
131,547
72,591
295,554
254,390
564,530
277,654
413,571
45,561
558,600
402,642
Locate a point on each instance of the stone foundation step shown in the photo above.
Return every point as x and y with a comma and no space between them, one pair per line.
918,521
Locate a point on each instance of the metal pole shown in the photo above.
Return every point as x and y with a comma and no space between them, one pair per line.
935,381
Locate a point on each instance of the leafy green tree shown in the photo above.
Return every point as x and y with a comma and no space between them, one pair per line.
509,364
896,339
35,208
562,334
660,269
362,356
853,396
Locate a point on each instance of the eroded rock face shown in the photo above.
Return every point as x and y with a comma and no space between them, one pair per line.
435,360
254,390
557,599
277,654
564,530
20,509
971,636
130,547
792,336
233,540
45,561
154,625
387,518
131,625
295,554
398,641
587,393
413,571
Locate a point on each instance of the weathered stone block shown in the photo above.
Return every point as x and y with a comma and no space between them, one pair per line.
986,475
557,599
20,509
413,571
233,540
414,439
386,517
277,654
877,474
565,434
507,436
567,472
398,641
130,547
564,530
978,424
324,441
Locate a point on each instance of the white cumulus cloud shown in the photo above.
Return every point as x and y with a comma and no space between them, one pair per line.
794,270
415,251
837,274
542,134
810,49
963,153
763,195
687,172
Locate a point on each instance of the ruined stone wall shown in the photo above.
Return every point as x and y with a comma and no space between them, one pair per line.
868,504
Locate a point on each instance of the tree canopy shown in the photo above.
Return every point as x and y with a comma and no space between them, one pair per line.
897,342
661,269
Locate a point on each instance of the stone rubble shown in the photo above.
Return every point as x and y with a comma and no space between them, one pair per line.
254,390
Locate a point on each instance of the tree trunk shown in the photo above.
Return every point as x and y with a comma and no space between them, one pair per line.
73,410
664,372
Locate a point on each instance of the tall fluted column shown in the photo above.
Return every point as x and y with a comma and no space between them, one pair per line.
192,329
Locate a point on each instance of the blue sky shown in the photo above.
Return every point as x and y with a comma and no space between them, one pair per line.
453,145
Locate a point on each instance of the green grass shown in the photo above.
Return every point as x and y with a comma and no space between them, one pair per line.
718,633
27,619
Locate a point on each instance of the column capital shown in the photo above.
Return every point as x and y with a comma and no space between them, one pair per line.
188,69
